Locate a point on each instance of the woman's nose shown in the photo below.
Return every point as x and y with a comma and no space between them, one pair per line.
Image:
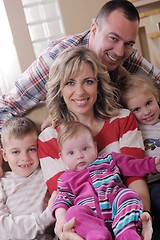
79,89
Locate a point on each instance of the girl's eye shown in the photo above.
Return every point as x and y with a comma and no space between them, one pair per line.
149,103
136,110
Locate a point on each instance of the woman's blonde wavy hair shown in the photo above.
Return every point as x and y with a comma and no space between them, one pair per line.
63,68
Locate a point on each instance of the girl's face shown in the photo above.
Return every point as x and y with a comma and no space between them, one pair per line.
144,106
80,91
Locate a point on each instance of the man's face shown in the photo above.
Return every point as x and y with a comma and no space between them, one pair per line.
113,38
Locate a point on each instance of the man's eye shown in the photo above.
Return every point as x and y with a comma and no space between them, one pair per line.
129,45
113,39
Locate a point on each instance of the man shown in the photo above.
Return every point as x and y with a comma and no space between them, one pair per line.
112,36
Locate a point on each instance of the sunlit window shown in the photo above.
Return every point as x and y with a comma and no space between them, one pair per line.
9,64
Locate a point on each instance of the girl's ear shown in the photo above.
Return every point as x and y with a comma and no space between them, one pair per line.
59,154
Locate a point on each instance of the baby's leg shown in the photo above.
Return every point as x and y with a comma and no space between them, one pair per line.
126,210
88,225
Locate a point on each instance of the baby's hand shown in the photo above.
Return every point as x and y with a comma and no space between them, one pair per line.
59,227
157,163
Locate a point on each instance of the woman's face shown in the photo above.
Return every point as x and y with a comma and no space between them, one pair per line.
80,91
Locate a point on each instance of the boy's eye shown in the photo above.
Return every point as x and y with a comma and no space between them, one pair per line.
33,149
15,152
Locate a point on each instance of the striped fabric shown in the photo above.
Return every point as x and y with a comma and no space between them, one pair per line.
23,207
29,88
100,186
119,134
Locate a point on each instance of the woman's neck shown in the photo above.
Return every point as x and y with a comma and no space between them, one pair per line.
92,122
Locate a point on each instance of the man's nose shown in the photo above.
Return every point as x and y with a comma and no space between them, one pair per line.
119,49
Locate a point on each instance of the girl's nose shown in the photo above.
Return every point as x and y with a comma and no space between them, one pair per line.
146,111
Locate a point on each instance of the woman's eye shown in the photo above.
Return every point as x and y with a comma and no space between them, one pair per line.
70,83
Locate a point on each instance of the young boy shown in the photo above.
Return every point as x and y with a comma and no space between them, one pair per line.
25,208
92,189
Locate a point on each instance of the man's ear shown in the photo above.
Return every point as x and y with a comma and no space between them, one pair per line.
93,28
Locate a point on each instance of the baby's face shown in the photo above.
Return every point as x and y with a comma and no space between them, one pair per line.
144,106
79,151
21,154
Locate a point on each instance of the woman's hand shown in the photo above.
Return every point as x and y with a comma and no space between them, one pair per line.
68,231
146,226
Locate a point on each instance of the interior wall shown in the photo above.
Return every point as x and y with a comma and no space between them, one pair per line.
77,15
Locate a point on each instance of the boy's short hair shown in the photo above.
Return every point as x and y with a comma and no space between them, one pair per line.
17,127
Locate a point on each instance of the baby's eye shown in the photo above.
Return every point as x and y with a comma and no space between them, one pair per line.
70,152
84,148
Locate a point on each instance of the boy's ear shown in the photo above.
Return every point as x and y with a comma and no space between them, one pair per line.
4,155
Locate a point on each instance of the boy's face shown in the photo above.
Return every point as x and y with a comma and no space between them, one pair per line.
21,154
79,151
